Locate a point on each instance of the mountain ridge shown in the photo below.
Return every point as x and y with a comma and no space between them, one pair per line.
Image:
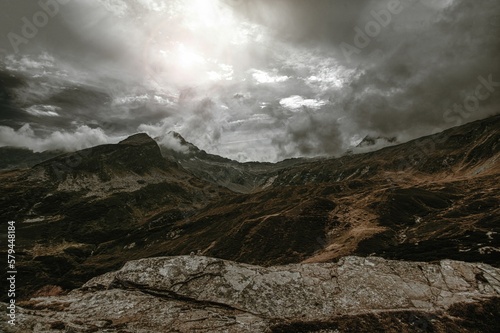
114,203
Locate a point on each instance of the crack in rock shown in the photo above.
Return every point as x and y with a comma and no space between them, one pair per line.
202,294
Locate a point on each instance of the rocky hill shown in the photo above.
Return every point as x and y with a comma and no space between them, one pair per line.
66,208
82,214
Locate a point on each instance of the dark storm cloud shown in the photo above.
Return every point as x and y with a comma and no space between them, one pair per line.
323,21
84,64
10,115
430,60
305,78
73,31
311,133
414,86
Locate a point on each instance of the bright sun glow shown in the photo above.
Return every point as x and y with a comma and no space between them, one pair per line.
208,20
188,58
199,48
206,14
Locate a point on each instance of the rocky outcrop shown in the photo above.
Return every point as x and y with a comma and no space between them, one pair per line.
202,294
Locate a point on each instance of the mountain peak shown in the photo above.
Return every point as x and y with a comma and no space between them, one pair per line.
178,136
138,140
173,144
189,146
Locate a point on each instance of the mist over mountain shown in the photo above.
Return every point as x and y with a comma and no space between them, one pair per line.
91,212
324,166
414,201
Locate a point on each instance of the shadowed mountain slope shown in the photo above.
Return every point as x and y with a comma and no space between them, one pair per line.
86,213
67,207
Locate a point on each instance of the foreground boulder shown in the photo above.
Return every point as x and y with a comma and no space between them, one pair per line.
201,294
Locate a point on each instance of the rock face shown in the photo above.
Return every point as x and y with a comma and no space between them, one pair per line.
202,294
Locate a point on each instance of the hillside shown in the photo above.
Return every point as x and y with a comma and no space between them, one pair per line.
86,213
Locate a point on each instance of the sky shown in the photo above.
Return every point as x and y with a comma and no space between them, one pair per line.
251,80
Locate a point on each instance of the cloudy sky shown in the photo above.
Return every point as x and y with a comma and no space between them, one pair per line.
245,79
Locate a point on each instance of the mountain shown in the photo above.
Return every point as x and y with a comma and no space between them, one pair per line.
82,214
71,207
428,199
238,177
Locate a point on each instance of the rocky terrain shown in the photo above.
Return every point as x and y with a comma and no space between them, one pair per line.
201,294
79,215
69,206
